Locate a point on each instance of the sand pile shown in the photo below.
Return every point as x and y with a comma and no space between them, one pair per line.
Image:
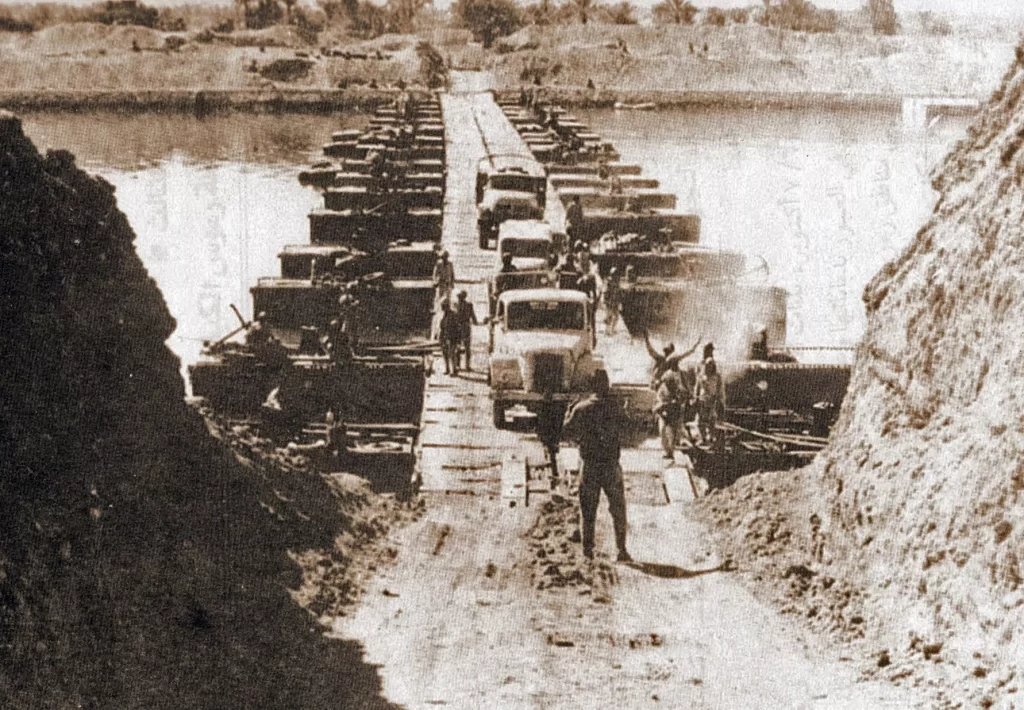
142,564
919,497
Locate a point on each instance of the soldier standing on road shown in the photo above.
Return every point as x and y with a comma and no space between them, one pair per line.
612,298
444,280
672,400
550,418
465,316
449,335
587,283
597,424
574,219
710,400
585,265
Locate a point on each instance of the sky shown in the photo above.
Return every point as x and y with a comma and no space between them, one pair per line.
1004,8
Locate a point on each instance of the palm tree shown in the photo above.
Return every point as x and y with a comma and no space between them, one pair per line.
680,12
583,8
404,12
244,4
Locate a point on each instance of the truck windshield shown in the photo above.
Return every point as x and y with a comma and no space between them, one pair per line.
546,315
525,248
516,182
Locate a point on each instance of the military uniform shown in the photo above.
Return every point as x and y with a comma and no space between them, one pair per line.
596,424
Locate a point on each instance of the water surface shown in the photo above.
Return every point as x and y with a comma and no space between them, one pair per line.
212,201
827,198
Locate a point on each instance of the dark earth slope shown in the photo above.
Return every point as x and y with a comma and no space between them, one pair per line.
142,565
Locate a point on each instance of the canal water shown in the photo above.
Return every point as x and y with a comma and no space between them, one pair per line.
825,198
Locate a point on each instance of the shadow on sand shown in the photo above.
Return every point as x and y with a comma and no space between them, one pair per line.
663,571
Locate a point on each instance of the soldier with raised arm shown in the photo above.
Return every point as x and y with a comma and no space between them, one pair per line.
666,360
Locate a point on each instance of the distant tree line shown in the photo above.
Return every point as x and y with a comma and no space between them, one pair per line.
488,20
491,19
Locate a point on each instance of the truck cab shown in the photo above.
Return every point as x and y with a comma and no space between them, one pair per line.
542,342
508,187
530,244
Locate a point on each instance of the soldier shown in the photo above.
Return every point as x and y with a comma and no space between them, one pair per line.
708,353
672,401
257,335
348,316
710,401
262,343
377,161
465,316
550,417
759,344
402,107
612,297
566,270
666,360
585,265
507,267
444,278
574,219
336,342
449,335
597,424
630,274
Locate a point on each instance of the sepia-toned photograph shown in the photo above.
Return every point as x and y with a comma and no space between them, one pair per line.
513,354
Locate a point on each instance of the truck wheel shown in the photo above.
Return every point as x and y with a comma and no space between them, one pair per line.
499,415
483,237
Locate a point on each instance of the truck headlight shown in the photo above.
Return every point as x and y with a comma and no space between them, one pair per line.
505,374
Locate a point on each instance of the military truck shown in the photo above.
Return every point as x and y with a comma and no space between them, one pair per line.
541,341
530,243
508,187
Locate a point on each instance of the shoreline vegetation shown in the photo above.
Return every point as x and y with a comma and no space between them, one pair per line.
206,102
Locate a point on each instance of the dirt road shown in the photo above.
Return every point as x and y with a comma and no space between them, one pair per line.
459,620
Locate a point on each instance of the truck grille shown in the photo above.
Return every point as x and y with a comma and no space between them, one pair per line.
548,372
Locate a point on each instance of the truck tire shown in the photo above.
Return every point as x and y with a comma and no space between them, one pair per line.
483,242
498,415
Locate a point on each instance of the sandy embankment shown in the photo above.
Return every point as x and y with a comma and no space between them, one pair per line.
88,66
904,535
744,65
